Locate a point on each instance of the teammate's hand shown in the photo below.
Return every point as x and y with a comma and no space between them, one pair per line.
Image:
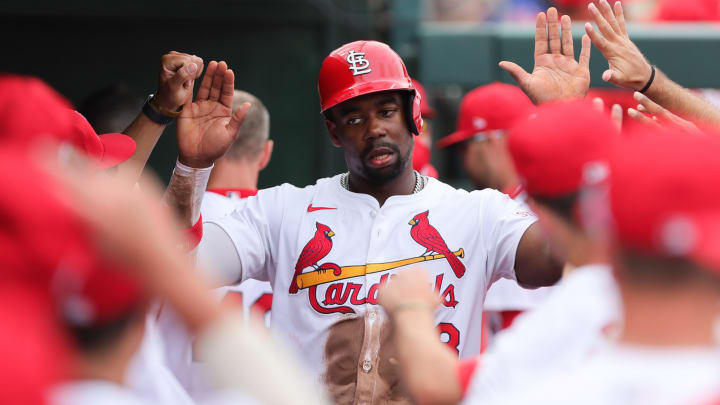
627,67
178,72
616,111
556,75
660,116
408,290
207,127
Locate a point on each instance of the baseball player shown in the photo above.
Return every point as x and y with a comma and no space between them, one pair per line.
486,113
327,248
667,271
577,313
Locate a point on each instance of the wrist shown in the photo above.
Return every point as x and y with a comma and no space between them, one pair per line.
411,306
164,108
192,163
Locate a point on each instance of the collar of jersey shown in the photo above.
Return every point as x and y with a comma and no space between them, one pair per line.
394,200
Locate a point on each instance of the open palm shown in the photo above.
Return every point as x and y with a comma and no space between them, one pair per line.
207,127
556,75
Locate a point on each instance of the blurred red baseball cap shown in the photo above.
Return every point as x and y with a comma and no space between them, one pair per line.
32,110
487,108
45,245
556,147
425,110
664,197
107,149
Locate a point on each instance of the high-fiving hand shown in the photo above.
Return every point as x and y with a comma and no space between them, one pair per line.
176,80
627,67
207,127
556,75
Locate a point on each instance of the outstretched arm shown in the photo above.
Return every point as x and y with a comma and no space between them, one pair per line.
535,266
178,72
206,129
628,67
556,74
428,367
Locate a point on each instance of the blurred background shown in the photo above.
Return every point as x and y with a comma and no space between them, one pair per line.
104,54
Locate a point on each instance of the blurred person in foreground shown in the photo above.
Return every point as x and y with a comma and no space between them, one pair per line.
486,114
664,214
233,179
577,314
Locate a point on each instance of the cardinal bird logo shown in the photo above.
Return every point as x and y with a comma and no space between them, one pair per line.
318,247
428,237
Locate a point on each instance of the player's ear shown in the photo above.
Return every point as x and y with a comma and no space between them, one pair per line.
332,131
266,154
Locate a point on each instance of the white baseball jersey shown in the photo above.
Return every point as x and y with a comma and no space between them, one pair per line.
625,374
343,246
576,320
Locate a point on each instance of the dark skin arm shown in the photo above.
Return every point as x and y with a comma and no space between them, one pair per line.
534,264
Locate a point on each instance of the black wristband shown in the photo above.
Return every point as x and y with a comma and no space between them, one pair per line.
153,114
650,82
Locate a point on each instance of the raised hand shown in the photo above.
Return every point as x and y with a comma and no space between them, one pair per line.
627,67
616,111
178,72
556,75
409,289
207,127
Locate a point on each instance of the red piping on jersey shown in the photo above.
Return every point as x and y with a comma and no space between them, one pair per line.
242,192
513,191
194,234
311,208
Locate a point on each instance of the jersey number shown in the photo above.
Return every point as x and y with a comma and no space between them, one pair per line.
453,335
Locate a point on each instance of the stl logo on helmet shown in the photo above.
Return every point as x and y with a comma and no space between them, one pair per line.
358,64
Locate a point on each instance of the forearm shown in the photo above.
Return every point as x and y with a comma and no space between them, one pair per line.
185,192
146,133
428,366
682,101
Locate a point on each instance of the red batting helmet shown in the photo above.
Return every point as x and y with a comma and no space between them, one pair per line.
365,67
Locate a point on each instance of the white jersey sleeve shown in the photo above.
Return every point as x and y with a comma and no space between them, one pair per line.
246,240
506,221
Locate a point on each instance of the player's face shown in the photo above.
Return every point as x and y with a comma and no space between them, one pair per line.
372,132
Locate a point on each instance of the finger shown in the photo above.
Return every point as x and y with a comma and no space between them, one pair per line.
553,30
237,118
206,83
616,114
601,22
228,89
173,61
584,59
600,43
647,104
200,64
620,16
640,117
598,104
609,16
541,44
217,81
517,73
567,40
184,74
608,75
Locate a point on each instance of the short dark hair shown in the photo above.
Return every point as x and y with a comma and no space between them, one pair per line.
564,206
111,109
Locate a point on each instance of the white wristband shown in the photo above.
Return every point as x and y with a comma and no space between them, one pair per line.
187,186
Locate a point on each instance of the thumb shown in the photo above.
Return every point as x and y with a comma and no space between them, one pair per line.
608,75
237,118
517,73
184,74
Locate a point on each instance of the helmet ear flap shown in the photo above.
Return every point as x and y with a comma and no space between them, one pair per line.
412,112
